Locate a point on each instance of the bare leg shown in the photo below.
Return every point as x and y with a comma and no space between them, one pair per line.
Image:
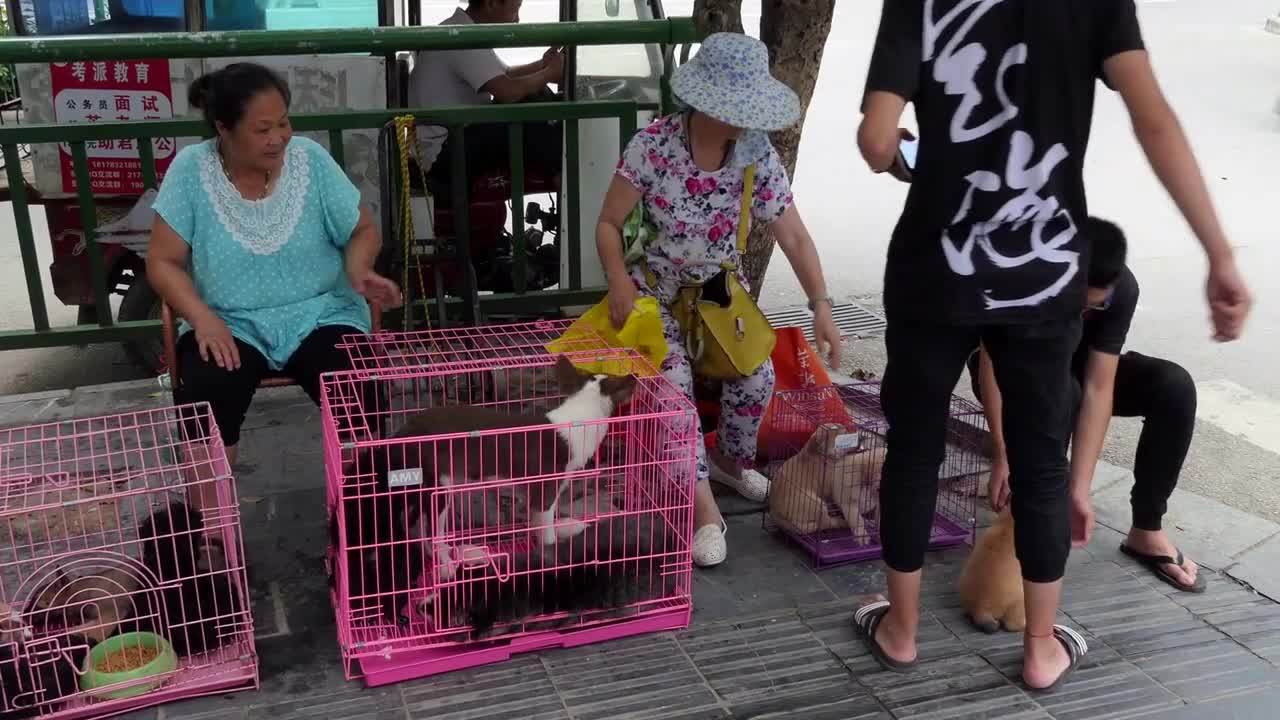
896,633
1044,657
705,510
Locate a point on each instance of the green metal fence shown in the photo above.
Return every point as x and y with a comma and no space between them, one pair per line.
376,40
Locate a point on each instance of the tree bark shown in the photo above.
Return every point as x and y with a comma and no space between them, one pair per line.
713,16
795,32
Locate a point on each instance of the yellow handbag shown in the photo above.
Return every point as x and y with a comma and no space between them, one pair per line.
725,334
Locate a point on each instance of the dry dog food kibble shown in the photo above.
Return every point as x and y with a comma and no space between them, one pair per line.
126,659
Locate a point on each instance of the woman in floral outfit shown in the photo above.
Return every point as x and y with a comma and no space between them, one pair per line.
688,169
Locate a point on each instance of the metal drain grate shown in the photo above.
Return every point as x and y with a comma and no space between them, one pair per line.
851,318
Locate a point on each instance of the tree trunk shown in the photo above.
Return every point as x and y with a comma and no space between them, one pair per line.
713,16
795,32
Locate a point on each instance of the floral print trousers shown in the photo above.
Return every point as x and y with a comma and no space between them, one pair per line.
742,402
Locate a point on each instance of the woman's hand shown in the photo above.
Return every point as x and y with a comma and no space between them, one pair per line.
826,335
215,341
377,289
622,300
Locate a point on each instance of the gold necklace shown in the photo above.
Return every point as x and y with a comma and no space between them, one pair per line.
266,181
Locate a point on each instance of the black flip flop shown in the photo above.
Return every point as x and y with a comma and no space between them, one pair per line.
867,619
1156,563
1076,648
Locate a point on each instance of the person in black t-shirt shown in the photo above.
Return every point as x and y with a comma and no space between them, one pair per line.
1110,384
987,248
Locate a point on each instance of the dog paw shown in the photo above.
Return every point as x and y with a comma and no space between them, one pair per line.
570,528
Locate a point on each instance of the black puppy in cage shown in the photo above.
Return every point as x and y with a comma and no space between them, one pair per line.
202,605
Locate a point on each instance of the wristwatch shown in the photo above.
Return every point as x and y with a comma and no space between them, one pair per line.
813,304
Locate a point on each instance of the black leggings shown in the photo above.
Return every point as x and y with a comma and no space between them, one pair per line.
229,392
1032,366
1163,394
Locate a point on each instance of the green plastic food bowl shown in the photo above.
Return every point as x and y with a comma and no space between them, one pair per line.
165,662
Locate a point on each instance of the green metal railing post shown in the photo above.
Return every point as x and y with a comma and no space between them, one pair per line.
572,203
147,157
89,223
461,206
337,150
26,240
519,268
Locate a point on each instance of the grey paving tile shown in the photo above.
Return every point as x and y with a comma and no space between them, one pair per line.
963,686
760,658
1253,706
643,677
224,707
836,700
1128,616
1114,691
1255,625
761,576
348,703
519,688
1260,567
1204,672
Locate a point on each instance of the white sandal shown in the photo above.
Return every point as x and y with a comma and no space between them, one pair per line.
709,548
752,485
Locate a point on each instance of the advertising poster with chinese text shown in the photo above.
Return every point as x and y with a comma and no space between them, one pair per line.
112,91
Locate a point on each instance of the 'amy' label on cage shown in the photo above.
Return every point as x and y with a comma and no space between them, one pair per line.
409,477
848,441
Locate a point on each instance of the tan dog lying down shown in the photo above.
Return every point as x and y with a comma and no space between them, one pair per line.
991,583
829,469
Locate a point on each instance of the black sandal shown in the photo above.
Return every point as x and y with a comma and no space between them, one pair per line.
867,619
1156,563
1076,648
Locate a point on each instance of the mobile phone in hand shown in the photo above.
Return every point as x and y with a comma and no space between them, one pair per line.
907,152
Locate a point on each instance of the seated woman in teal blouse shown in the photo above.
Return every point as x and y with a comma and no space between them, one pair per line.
261,244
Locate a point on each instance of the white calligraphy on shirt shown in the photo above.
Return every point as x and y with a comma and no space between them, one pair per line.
956,67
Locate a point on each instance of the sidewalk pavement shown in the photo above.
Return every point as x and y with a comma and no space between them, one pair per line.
770,637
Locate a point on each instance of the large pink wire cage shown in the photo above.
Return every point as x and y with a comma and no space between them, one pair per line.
103,549
826,466
433,573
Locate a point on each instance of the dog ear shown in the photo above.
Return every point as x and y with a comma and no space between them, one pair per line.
619,388
568,377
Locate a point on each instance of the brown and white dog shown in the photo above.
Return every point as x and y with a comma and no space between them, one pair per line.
831,468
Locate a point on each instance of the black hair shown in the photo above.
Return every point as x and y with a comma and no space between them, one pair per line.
222,95
1107,250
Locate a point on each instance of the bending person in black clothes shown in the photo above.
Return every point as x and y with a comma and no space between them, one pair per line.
1110,384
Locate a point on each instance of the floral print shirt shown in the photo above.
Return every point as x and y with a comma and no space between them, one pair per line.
696,212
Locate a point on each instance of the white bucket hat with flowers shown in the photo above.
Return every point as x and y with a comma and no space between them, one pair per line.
729,80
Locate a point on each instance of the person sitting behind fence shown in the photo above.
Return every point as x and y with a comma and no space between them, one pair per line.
453,78
278,248
688,171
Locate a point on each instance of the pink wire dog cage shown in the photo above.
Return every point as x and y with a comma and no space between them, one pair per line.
441,555
825,472
120,548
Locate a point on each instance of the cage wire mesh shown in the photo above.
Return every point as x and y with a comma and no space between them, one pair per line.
504,504
122,581
825,472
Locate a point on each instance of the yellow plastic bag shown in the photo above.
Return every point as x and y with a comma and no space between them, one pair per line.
642,332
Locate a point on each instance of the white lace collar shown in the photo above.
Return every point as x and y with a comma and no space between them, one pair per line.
260,226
